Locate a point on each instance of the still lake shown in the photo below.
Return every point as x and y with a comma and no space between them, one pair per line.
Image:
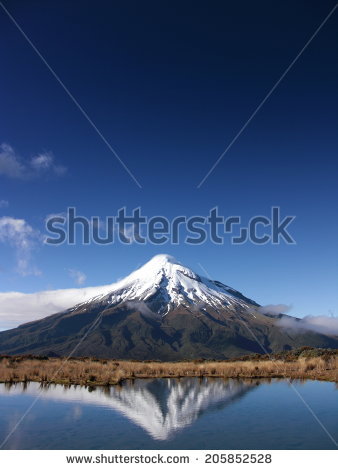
171,414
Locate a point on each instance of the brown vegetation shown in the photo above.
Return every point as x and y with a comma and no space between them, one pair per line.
305,363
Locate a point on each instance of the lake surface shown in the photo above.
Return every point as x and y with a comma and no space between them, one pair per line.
171,414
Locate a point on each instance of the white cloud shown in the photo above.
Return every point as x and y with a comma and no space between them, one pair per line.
13,166
17,308
319,324
55,214
45,162
10,164
78,276
141,307
274,309
4,203
20,235
130,233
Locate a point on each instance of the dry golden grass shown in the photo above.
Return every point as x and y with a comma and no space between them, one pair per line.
107,372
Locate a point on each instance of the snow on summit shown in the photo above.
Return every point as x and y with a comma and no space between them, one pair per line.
164,283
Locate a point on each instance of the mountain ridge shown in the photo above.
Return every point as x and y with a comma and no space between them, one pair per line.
164,275
161,311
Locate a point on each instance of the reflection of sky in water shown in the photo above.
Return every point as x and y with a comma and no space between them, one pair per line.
169,413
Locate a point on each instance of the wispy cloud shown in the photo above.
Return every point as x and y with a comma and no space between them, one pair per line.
274,309
13,166
141,307
44,162
10,164
20,235
55,214
130,233
4,203
78,276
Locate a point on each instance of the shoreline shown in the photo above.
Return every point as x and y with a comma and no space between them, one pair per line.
107,372
120,382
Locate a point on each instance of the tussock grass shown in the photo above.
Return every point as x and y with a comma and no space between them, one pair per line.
88,371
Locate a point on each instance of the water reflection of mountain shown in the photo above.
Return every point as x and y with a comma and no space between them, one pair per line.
160,406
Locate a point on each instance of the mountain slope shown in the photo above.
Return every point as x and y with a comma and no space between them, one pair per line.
162,311
163,284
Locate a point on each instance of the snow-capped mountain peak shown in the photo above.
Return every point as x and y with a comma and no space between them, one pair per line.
164,283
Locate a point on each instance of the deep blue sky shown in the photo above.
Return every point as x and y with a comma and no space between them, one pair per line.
169,84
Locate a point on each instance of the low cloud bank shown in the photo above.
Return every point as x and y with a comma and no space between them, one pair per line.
17,308
319,324
327,325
